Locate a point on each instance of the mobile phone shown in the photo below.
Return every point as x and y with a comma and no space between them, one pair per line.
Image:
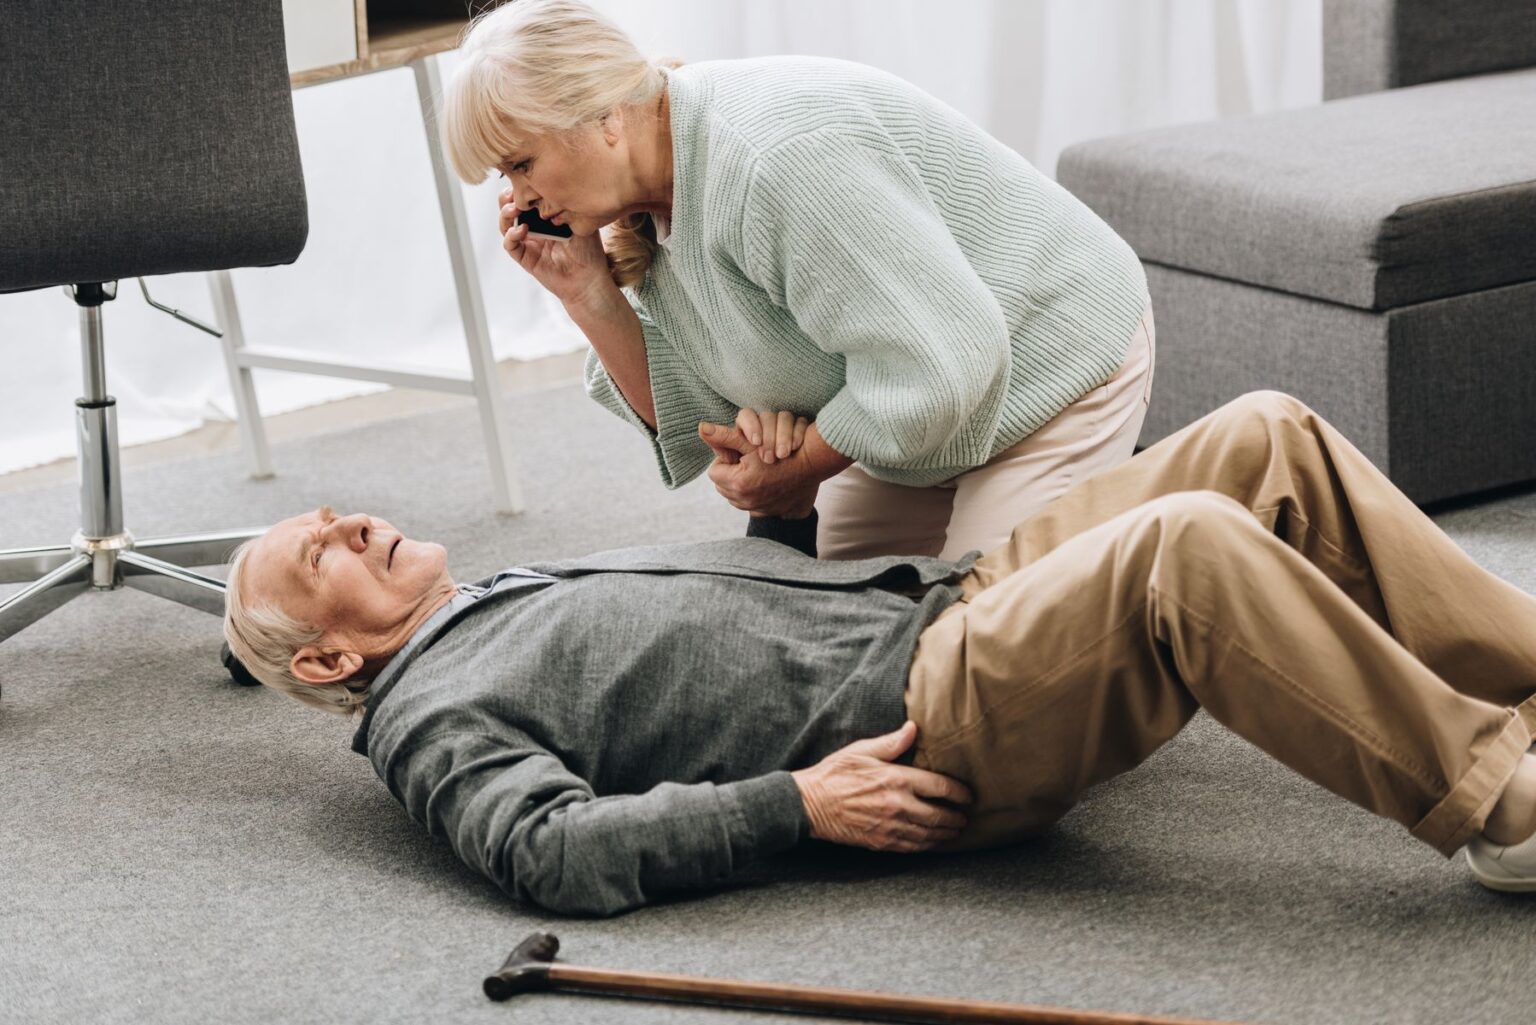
539,226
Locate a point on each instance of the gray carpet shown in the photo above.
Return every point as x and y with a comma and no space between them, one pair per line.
174,848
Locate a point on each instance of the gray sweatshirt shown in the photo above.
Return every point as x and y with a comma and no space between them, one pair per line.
627,725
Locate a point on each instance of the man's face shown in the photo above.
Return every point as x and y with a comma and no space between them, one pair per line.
355,577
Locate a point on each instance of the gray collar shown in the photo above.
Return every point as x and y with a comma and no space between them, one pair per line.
465,598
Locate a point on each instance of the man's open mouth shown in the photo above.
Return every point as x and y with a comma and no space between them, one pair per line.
391,560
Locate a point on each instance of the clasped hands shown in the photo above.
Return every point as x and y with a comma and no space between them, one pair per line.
761,465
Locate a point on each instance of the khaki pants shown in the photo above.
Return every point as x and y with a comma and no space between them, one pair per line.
860,516
1254,564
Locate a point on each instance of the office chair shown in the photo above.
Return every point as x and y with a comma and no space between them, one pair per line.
140,137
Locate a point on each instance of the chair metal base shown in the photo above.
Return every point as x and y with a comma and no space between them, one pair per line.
155,565
102,555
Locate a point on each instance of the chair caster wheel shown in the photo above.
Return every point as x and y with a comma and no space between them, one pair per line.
237,670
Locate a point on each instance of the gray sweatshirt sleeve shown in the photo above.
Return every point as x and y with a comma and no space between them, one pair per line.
513,812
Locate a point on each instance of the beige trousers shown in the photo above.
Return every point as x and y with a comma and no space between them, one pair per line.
1254,564
860,517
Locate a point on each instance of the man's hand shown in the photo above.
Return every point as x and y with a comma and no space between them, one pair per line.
856,796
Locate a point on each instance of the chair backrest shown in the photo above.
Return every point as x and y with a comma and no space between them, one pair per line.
1370,45
145,137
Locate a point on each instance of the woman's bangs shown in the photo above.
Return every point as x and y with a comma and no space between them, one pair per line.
478,133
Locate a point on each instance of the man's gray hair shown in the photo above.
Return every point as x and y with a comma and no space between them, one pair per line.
264,638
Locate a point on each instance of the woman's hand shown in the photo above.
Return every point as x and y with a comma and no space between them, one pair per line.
776,435
857,796
570,269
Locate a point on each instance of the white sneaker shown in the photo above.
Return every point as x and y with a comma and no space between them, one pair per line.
1511,869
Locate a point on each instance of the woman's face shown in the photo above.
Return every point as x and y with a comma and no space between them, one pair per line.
593,176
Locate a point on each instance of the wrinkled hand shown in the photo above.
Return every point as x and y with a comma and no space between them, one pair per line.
786,488
856,796
570,268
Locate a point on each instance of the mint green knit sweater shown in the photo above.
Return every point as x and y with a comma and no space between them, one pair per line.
848,247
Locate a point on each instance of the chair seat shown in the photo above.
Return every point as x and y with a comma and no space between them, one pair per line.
1376,201
149,138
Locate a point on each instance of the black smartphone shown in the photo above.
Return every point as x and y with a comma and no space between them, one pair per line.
539,226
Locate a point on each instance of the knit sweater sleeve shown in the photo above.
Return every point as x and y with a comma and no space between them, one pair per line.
842,232
681,400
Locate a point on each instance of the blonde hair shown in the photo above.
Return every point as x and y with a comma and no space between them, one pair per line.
547,67
264,637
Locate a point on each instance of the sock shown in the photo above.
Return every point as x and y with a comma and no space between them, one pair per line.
1513,819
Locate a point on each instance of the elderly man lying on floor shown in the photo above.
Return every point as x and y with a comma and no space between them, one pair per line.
593,732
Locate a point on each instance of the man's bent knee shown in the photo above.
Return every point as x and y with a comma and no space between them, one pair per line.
1267,404
1200,506
1191,522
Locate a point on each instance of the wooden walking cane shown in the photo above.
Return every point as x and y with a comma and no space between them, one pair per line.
531,968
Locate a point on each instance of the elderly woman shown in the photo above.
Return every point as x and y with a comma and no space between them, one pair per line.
764,238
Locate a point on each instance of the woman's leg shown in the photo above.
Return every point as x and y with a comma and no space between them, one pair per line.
1081,663
1319,494
860,517
1093,434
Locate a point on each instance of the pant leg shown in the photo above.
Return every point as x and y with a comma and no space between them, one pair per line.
1093,434
1314,490
860,517
1080,664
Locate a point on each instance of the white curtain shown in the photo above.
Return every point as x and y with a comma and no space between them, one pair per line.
374,279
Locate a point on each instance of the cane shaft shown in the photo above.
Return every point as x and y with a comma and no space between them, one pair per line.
854,1003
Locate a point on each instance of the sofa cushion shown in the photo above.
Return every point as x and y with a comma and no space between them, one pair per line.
1385,44
1375,201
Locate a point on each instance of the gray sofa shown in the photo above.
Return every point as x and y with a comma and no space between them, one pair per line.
1374,256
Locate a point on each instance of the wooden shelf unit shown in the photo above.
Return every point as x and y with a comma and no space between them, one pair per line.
393,33
390,39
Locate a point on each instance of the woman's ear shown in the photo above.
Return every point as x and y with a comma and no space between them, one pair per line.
321,667
612,124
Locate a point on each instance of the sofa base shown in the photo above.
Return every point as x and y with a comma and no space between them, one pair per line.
1440,395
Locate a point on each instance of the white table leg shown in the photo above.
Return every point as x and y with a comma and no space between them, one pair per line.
253,434
493,419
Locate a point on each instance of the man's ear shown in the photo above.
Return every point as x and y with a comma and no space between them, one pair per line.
324,667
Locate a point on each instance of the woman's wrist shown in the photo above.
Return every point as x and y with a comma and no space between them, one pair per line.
598,299
822,460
